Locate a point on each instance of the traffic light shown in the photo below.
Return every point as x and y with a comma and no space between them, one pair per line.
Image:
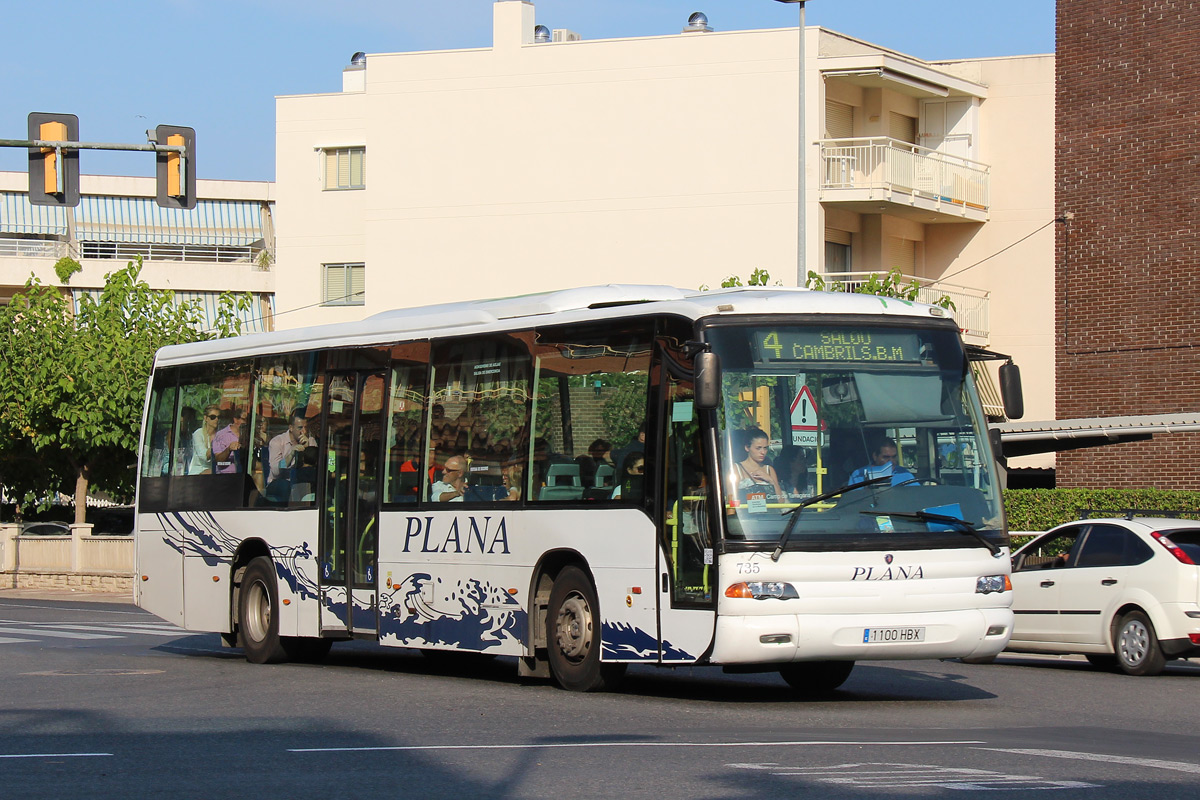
176,172
53,172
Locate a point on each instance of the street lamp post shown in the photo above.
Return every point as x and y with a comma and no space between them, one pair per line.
800,198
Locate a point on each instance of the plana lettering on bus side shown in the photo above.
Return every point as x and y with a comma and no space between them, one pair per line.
466,537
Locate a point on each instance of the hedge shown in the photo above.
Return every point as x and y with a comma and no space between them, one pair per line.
1042,509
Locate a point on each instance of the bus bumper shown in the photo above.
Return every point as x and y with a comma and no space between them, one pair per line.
781,638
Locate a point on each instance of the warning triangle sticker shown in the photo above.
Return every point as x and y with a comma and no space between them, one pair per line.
804,412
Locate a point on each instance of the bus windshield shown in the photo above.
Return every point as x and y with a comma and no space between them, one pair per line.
810,408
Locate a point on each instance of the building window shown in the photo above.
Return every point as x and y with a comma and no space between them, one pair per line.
343,284
345,168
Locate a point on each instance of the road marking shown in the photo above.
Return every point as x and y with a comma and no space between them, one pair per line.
551,745
173,631
1177,766
9,640
877,775
56,634
52,755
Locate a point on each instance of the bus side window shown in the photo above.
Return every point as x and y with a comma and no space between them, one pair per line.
590,413
214,474
161,450
282,455
478,416
406,434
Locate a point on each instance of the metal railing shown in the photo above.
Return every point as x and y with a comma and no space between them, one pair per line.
970,305
32,248
890,164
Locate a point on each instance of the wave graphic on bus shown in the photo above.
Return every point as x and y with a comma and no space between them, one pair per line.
624,642
470,614
197,533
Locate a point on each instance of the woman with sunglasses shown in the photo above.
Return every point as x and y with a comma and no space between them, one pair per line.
201,462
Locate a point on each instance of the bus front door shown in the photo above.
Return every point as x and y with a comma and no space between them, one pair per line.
350,502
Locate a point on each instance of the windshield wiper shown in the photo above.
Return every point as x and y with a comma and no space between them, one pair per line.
961,525
795,510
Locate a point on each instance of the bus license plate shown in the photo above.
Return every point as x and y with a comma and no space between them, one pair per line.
878,635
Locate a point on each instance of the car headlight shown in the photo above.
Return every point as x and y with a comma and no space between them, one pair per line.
763,590
992,583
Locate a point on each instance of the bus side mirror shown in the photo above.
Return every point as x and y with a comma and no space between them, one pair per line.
1010,391
707,369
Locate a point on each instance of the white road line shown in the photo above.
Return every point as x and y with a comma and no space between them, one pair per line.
131,630
56,634
909,776
9,640
1155,763
553,745
52,755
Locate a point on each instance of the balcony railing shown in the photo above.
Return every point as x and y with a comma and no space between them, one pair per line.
970,305
32,248
882,163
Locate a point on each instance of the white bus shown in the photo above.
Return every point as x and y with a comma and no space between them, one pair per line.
583,479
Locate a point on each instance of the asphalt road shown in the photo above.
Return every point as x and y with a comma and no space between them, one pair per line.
100,699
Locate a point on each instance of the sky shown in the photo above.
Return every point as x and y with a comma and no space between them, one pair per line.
217,65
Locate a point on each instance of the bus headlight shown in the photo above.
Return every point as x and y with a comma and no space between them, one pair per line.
763,590
992,583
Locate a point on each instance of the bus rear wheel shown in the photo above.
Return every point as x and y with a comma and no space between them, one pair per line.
816,678
573,636
258,618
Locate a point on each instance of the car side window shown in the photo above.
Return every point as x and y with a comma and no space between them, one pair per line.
1112,546
1052,551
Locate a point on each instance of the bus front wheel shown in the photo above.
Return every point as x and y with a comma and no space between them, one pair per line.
258,617
816,678
573,635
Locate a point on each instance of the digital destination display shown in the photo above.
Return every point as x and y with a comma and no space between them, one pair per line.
836,344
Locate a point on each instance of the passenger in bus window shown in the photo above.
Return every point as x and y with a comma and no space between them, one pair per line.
754,473
597,456
793,474
284,450
453,482
630,474
635,445
511,477
227,443
202,438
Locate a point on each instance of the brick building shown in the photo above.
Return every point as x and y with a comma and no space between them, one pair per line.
1128,249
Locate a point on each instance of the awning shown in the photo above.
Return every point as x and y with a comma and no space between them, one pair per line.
105,218
17,215
1028,438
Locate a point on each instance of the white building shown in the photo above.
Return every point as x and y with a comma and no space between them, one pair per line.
216,247
552,161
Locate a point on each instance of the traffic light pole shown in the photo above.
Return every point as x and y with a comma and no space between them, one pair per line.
53,145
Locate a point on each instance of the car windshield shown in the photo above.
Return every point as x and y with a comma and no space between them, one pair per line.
809,408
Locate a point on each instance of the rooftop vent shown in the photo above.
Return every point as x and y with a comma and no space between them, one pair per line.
541,34
359,59
697,23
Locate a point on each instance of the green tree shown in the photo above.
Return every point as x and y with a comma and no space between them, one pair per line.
889,284
73,384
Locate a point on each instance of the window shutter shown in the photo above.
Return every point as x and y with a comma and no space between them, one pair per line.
902,127
331,169
839,120
335,283
902,255
357,284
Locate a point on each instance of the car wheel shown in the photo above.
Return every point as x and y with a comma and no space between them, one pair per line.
1137,647
816,678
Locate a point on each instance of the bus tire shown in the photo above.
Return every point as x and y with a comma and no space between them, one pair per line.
306,649
573,635
816,678
258,619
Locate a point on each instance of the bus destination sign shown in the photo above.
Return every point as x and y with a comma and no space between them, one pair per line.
836,345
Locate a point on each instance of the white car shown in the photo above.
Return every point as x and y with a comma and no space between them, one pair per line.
1123,592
